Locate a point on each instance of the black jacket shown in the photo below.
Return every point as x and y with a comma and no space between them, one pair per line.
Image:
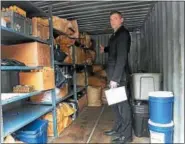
118,49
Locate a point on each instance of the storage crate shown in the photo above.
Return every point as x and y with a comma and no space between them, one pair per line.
140,120
35,132
14,21
143,83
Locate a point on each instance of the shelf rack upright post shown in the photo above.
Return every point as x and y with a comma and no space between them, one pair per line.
9,121
53,66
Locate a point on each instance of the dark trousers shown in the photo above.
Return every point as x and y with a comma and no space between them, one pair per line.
123,117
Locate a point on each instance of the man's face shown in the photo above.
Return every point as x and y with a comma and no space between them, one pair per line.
116,21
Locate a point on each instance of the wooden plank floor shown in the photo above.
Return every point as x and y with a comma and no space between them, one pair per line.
84,129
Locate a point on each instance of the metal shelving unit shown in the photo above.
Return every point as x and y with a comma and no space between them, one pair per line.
76,89
9,36
61,99
13,68
18,97
14,119
19,117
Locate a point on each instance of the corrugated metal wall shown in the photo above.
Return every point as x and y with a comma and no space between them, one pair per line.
134,50
101,40
162,38
159,48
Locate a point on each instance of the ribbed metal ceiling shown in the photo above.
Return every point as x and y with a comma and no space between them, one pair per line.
93,16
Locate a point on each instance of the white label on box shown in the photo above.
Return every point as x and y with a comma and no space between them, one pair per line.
156,137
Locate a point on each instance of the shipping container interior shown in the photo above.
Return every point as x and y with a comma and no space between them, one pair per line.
157,46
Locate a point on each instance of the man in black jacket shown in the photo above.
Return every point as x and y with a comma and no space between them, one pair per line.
118,72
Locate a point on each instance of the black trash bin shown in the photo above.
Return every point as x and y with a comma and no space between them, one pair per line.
140,119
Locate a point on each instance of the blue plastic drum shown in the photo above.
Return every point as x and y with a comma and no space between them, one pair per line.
161,107
161,133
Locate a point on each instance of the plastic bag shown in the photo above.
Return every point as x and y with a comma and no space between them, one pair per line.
59,77
66,109
58,54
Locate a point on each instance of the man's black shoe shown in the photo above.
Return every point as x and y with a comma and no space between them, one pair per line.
115,137
110,132
122,139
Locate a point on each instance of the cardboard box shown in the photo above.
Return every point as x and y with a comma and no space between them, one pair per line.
31,54
36,28
41,80
63,90
82,102
40,28
45,33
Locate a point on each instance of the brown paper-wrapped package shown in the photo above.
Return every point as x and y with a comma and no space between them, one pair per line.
97,68
67,121
94,96
101,73
80,79
96,81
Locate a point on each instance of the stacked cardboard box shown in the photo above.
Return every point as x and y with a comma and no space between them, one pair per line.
82,102
31,54
41,80
40,28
